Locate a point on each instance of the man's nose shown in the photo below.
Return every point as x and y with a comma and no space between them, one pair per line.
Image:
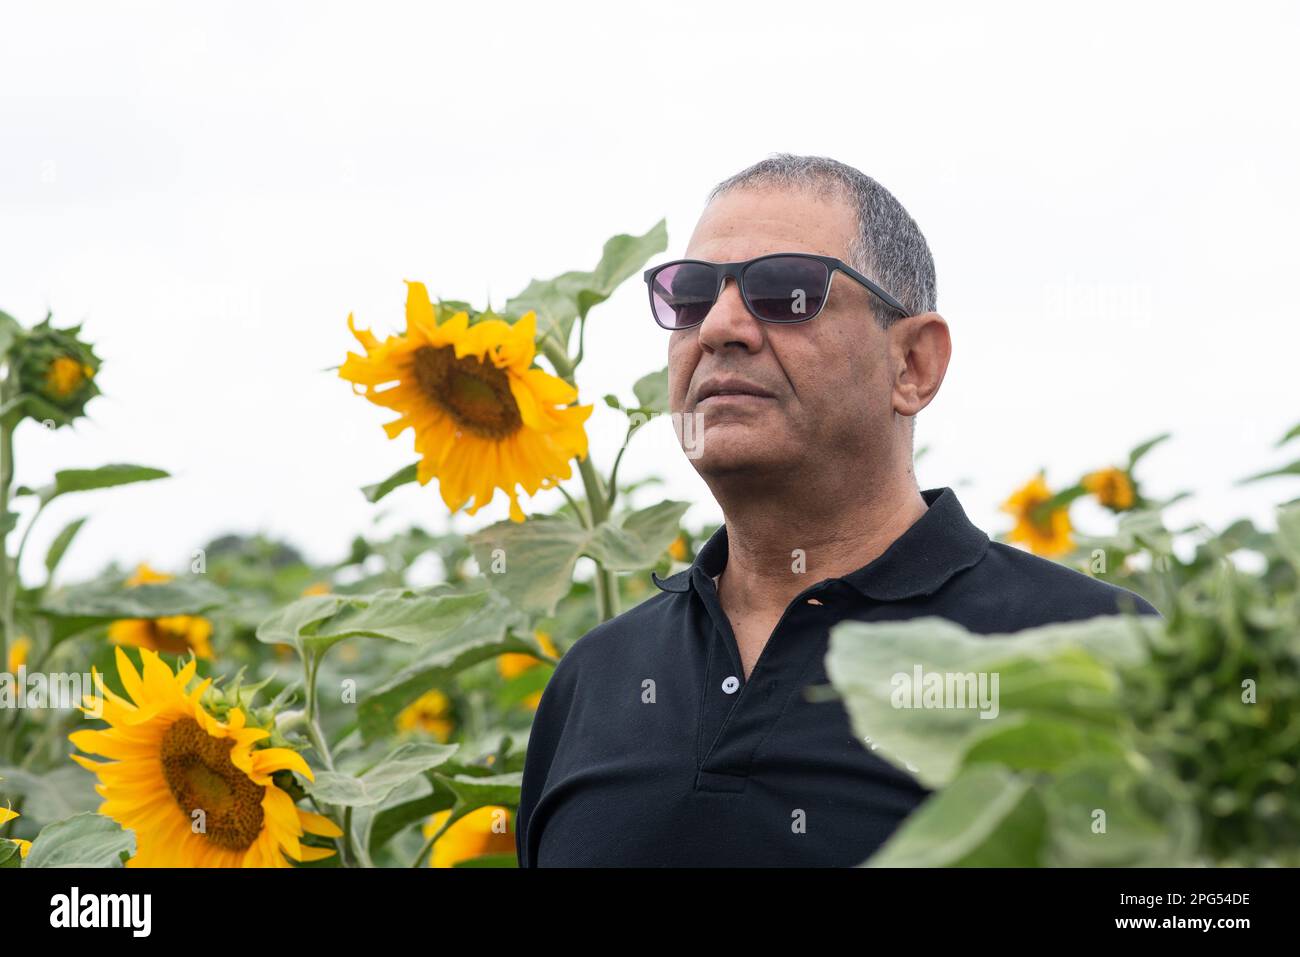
730,321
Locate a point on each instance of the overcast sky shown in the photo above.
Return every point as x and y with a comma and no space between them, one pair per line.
1109,191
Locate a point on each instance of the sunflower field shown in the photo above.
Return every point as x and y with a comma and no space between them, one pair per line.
255,709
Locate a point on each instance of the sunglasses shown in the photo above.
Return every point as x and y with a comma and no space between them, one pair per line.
778,287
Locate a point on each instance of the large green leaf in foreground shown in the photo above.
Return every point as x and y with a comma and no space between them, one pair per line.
1042,770
1056,688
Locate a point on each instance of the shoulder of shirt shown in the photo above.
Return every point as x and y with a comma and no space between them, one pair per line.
1066,593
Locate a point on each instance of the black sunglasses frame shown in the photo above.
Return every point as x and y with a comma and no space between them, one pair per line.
737,271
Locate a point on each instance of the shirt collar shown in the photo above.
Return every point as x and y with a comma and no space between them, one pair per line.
938,545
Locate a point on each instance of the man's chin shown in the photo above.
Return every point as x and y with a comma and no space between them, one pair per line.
727,456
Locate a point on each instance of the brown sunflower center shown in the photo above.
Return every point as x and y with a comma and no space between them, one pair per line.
168,636
475,394
202,777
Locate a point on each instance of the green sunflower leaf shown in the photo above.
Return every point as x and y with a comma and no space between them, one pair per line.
375,786
315,623
651,391
473,791
1104,812
10,854
1140,451
51,795
1288,534
59,546
987,817
470,629
1065,672
559,302
1291,469
107,600
403,476
531,563
83,840
106,476
639,540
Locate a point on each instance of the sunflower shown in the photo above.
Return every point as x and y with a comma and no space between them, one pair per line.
173,634
18,652
1113,488
485,830
431,712
7,815
1045,531
194,789
514,664
57,371
483,417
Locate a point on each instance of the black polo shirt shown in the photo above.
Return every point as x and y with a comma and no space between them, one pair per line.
650,747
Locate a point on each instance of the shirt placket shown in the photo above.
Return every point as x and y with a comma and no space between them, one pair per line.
736,714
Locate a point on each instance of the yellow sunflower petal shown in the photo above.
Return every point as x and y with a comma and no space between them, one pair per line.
318,824
308,853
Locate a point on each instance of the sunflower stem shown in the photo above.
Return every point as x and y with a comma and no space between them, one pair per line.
559,359
577,509
606,582
8,573
582,336
613,473
22,542
428,845
597,507
311,667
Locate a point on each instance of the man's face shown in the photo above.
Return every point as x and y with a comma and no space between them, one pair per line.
828,378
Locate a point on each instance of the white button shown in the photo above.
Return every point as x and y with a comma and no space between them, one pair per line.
814,601
731,684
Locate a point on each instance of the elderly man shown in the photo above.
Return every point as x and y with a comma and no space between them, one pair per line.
803,332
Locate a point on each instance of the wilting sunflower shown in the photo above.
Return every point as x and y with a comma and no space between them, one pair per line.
483,417
486,830
7,815
1046,532
169,760
1113,488
173,634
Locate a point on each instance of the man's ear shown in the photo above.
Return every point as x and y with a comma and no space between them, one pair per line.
920,347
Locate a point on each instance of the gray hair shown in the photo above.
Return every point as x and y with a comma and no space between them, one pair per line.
889,247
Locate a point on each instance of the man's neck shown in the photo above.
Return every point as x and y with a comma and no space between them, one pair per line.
778,545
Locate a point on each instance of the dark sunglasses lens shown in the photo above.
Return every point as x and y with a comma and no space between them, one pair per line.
786,288
683,294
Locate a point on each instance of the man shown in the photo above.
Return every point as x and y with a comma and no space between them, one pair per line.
678,733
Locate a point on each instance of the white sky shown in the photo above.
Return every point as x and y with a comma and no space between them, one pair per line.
1109,191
